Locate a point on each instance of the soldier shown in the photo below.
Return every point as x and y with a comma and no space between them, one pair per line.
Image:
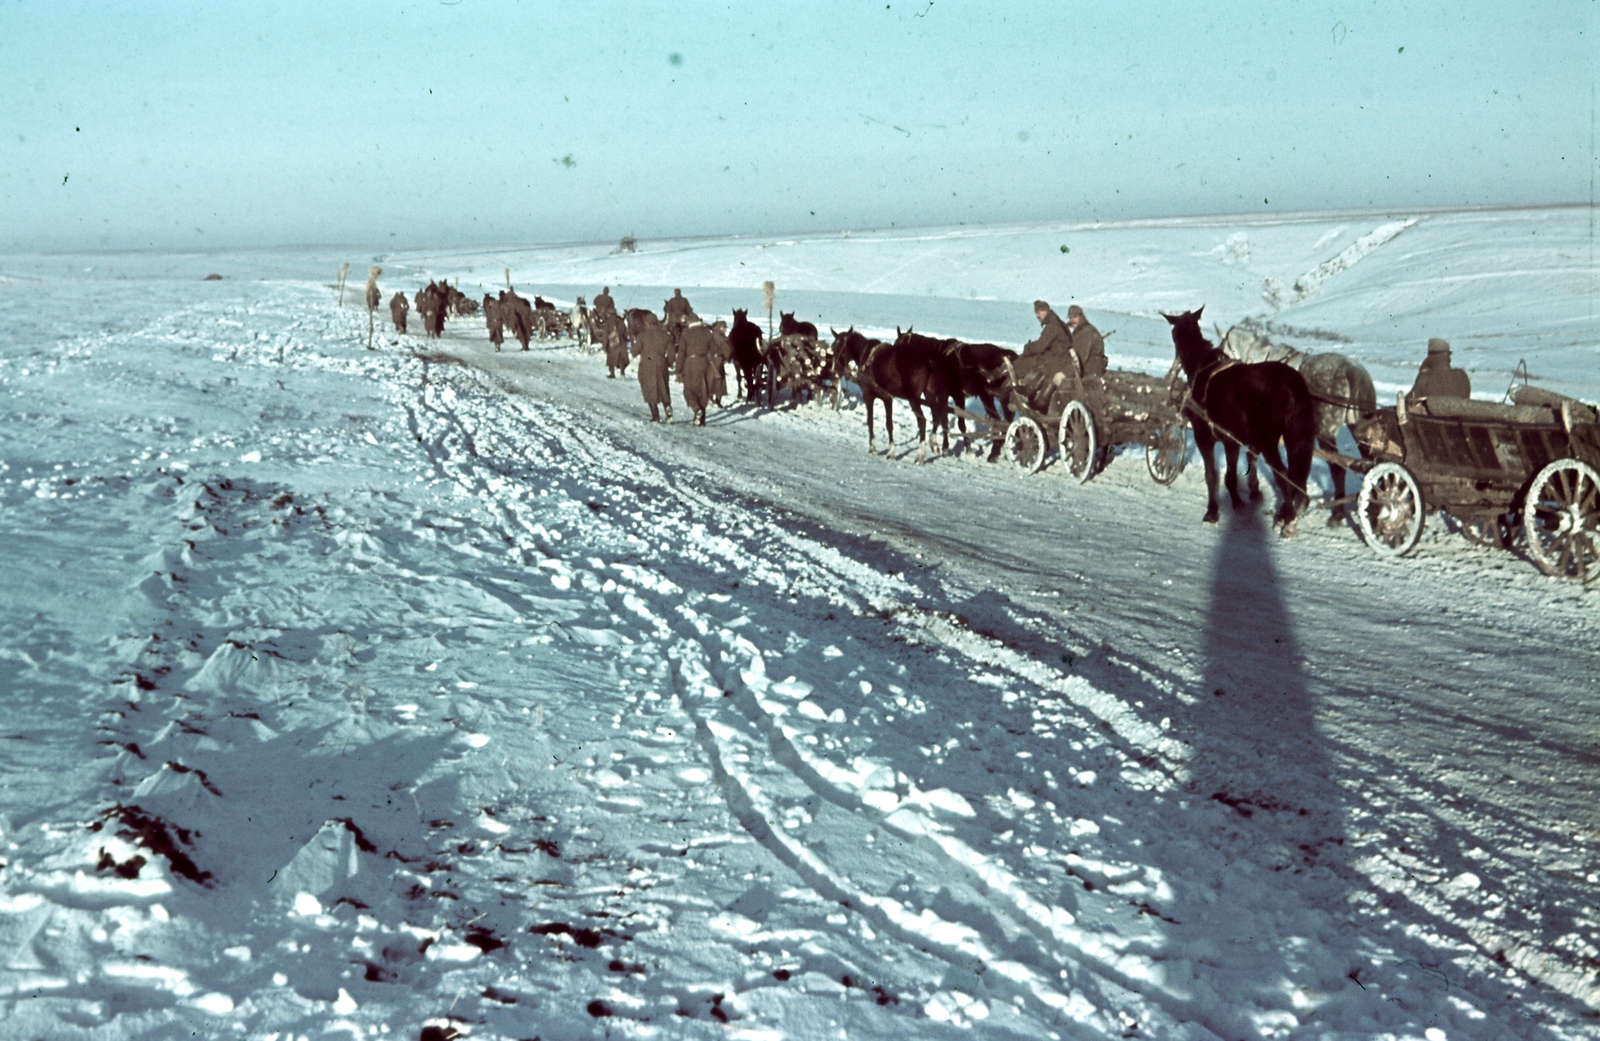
398,306
1043,358
374,298
677,313
652,347
603,304
1435,377
610,329
721,354
491,316
1087,343
694,365
1053,335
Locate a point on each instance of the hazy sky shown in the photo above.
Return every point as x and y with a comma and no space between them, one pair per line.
216,125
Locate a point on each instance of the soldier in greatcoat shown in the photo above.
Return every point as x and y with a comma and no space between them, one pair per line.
721,354
1087,343
653,349
1435,377
677,313
603,304
694,367
1045,357
398,307
491,317
610,329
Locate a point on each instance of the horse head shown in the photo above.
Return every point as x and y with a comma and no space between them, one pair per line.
1191,345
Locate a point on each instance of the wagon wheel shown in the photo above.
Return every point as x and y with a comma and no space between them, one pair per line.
1024,444
1166,457
1561,519
1490,530
1390,510
1080,448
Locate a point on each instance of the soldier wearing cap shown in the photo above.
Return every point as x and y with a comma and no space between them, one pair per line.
603,304
1435,377
1087,343
1052,337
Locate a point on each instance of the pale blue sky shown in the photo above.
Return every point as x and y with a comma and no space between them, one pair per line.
211,126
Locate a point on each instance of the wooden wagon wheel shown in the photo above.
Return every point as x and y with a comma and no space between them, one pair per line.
1080,448
1561,518
1390,510
1166,457
1024,445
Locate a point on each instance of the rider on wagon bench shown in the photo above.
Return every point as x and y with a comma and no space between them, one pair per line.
1057,347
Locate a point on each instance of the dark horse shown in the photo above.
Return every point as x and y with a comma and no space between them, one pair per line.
1249,406
1343,389
850,349
913,373
787,326
985,373
748,355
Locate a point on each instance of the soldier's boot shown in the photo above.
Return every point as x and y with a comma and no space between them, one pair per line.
669,413
700,418
655,413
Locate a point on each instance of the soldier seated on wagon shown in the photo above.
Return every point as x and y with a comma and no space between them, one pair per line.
1087,343
1046,357
1435,377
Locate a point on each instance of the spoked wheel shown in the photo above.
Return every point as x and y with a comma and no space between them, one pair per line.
1080,450
1166,457
1024,445
1561,519
1490,530
1390,510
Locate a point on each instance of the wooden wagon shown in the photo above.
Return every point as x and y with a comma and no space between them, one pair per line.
1532,466
1082,418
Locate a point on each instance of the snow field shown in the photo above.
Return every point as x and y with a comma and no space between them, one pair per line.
451,696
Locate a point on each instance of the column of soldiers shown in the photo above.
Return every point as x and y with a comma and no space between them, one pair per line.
681,343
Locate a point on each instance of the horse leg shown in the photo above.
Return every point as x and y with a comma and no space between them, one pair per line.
872,441
922,431
1250,471
888,423
1292,481
1230,451
1336,515
1207,446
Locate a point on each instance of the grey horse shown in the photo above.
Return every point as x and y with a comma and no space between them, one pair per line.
1343,390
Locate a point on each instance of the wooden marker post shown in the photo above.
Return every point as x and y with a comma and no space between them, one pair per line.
344,269
770,289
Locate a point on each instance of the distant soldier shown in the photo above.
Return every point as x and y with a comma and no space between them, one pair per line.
603,304
694,365
653,349
1435,377
677,313
398,307
1087,343
721,354
609,328
374,298
491,317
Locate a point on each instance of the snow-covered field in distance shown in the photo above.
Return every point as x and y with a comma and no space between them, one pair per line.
350,691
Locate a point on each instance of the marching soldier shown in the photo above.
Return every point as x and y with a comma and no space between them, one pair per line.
398,307
694,367
653,349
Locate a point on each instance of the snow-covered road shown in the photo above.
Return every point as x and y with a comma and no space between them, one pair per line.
351,691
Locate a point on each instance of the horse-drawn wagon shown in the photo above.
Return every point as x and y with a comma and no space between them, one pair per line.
1082,418
1533,465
